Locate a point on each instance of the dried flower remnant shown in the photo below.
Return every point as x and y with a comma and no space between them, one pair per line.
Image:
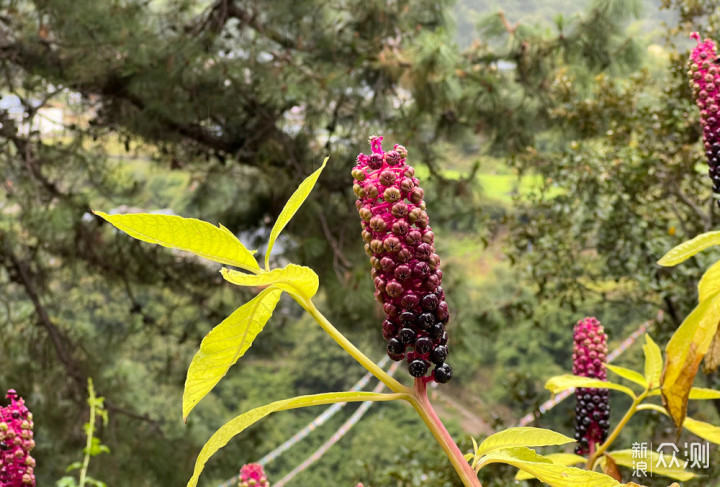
405,268
704,74
592,412
16,440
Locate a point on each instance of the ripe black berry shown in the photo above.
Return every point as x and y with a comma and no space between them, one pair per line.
423,345
406,335
417,368
443,373
439,354
394,347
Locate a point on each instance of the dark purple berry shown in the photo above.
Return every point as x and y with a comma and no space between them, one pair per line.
439,354
417,368
443,373
430,302
406,335
395,347
425,320
423,345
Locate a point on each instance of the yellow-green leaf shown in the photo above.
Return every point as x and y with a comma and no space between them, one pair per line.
522,436
706,431
567,459
684,351
196,236
291,207
687,249
225,344
628,374
560,383
710,282
236,426
712,358
292,278
655,462
653,362
703,393
551,473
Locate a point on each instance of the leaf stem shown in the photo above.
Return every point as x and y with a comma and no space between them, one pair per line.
421,403
347,345
616,432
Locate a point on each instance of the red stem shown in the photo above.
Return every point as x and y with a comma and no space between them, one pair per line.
426,411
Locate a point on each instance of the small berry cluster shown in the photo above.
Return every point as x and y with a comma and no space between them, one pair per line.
252,475
16,441
405,268
592,413
704,74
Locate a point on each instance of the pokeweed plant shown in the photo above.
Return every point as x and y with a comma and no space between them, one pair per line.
407,279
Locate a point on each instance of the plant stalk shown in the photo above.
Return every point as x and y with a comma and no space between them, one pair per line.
90,431
422,405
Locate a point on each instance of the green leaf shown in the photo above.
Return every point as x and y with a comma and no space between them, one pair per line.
291,207
628,374
706,431
566,459
295,279
235,426
551,473
653,362
684,351
196,236
523,436
710,282
687,249
629,458
560,383
225,344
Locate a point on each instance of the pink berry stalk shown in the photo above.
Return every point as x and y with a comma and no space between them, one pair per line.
592,412
405,268
16,441
252,475
704,76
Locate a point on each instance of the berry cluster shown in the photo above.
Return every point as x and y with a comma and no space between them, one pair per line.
704,76
252,475
592,413
16,441
405,268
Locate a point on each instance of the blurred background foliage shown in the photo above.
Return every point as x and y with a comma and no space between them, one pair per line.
557,143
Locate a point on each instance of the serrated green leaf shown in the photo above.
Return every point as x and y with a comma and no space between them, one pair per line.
560,383
225,344
628,374
291,207
687,249
683,353
706,431
522,436
710,282
567,459
653,361
655,461
292,278
551,473
196,236
235,426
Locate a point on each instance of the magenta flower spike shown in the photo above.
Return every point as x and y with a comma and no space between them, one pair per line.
252,475
704,76
592,413
405,268
16,441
